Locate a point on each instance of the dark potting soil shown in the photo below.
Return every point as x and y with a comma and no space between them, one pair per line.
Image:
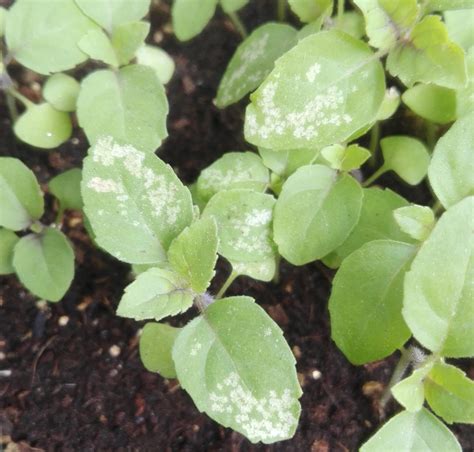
70,374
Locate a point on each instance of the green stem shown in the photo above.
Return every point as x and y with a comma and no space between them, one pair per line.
17,95
400,369
437,207
431,134
340,11
276,278
11,105
282,10
240,27
226,284
374,142
374,176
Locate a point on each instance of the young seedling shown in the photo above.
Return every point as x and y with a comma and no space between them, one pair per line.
125,100
40,255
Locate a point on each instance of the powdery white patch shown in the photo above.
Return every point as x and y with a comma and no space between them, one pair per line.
313,71
252,232
261,419
237,82
195,348
216,179
324,109
100,185
161,194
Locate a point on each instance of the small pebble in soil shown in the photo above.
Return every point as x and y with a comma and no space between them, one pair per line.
2,356
63,320
316,374
297,352
114,351
5,373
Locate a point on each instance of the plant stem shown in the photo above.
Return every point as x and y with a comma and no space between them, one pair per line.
240,27
17,95
11,105
437,207
374,176
226,284
431,134
374,142
340,11
282,10
400,369
276,278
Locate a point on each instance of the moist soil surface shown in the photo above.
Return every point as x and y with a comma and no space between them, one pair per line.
70,373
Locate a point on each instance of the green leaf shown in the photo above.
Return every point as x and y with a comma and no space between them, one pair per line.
45,263
243,220
235,364
413,432
66,187
450,394
61,91
387,20
428,56
345,158
263,270
42,35
193,254
390,104
230,6
155,294
443,5
253,61
316,211
376,222
410,391
366,301
285,163
130,105
112,13
416,221
156,58
438,288
190,17
3,19
352,23
406,156
311,28
459,25
147,203
156,344
243,170
432,102
127,38
96,44
43,126
311,10
320,92
21,199
465,95
452,166
8,240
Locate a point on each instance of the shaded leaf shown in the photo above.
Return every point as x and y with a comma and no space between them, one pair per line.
61,91
158,60
66,187
190,17
45,263
8,240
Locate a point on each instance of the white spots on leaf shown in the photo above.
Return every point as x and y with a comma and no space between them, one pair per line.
243,79
261,419
251,231
161,193
195,348
312,72
100,185
216,179
325,108
267,332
